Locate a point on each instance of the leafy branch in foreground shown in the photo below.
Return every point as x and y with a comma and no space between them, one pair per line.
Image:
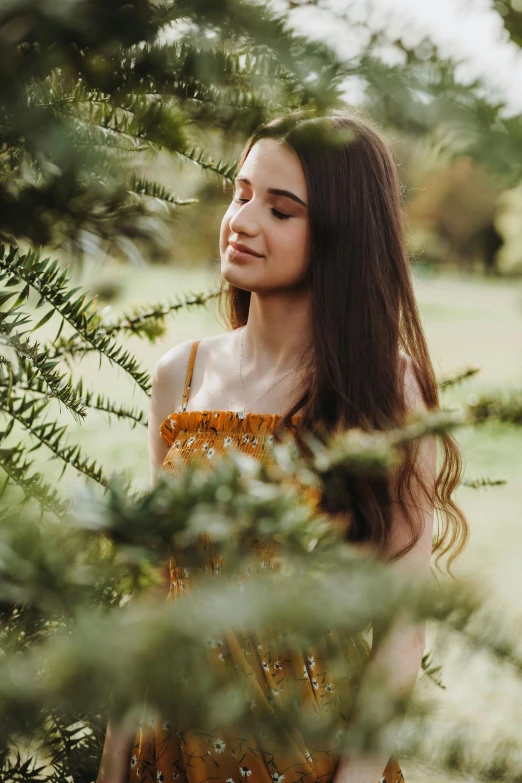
28,413
22,381
16,467
480,483
30,378
37,362
504,407
49,280
30,375
321,583
454,380
103,404
147,187
144,321
203,160
75,128
115,546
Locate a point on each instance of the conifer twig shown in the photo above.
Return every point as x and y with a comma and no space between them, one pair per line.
51,283
454,380
482,482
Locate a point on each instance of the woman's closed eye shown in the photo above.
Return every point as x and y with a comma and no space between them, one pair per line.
275,212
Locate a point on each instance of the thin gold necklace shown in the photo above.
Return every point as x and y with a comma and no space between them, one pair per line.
242,413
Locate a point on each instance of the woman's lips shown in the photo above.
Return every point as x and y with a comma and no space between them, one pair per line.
241,255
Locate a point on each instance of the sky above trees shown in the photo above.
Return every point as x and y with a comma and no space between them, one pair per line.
469,32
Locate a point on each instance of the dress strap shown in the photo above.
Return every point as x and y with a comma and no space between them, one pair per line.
188,377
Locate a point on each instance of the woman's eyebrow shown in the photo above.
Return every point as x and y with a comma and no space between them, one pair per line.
277,192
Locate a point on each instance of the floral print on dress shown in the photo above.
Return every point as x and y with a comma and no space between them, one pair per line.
164,750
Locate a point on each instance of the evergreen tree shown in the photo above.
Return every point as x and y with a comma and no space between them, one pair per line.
86,88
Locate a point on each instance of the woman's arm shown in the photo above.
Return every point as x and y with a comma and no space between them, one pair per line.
167,391
397,655
166,394
115,759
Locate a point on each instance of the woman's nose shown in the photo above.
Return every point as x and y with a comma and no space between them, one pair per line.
244,220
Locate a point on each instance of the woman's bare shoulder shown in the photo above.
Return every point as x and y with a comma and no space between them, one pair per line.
170,368
170,371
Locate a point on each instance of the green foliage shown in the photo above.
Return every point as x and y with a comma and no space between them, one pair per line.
69,584
469,372
144,321
511,14
17,470
87,89
30,378
49,281
505,407
477,483
33,361
28,411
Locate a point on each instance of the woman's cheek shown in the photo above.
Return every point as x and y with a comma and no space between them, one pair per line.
224,231
298,253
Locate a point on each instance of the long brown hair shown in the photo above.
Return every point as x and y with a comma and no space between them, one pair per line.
364,315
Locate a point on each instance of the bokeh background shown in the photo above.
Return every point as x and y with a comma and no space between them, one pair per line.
444,83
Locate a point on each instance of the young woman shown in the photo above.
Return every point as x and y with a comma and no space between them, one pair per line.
324,331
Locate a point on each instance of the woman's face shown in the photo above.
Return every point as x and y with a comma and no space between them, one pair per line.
268,216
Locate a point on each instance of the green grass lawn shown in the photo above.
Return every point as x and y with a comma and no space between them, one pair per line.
468,322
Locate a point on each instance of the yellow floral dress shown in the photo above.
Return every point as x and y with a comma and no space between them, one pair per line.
163,751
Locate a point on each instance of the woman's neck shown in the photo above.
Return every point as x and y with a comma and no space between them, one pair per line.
278,331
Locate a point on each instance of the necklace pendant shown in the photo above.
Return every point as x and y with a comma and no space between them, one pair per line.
241,414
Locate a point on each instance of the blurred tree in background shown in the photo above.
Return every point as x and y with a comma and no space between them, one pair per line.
97,99
434,116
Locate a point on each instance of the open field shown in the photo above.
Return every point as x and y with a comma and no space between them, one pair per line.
468,322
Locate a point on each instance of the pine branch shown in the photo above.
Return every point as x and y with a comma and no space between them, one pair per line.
149,123
51,283
200,158
145,187
27,412
92,136
199,69
69,746
14,769
480,483
137,322
431,671
22,381
469,372
144,321
374,453
505,408
37,362
17,468
127,130
102,403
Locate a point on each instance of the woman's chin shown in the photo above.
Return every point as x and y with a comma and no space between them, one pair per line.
235,276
